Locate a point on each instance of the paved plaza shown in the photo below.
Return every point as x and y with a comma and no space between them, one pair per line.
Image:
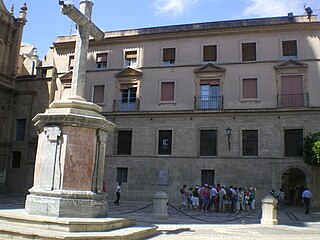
188,224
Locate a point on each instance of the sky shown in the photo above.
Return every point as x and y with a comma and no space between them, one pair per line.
46,22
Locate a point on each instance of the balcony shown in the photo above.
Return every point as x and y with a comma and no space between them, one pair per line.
293,100
215,102
120,106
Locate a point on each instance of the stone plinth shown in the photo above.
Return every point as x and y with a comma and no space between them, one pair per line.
160,205
69,168
269,211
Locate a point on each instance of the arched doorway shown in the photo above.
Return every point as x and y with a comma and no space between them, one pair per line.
293,183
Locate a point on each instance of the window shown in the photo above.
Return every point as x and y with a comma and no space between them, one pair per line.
101,60
293,142
16,160
130,58
249,52
207,177
249,88
169,56
98,94
167,91
250,142
292,91
43,73
209,94
71,62
20,129
124,142
210,53
165,142
208,143
129,95
289,49
122,175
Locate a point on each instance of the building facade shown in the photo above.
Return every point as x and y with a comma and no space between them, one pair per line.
221,102
173,91
11,30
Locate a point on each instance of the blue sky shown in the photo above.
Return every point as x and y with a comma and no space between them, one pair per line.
45,21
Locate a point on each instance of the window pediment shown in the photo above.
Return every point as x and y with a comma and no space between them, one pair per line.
210,68
291,64
128,72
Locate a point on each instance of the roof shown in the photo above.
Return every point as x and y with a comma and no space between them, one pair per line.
256,22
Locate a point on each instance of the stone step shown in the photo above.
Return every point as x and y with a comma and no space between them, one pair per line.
18,232
19,218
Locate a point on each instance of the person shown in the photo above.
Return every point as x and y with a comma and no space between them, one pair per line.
306,199
184,200
281,197
252,192
195,199
118,193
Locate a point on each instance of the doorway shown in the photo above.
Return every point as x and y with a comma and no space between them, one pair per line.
293,183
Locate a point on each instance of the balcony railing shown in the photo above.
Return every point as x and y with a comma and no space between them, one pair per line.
120,106
293,100
215,102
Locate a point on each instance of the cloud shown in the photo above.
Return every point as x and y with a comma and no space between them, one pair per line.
173,7
264,8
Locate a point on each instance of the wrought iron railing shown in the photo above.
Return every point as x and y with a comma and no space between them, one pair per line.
215,102
120,106
293,100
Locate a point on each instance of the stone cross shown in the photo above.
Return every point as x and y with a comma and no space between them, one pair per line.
86,29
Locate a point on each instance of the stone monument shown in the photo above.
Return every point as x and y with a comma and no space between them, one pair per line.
66,200
70,157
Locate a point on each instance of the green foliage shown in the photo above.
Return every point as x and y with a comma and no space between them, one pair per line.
312,149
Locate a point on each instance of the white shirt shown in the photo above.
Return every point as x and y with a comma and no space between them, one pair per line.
307,194
118,188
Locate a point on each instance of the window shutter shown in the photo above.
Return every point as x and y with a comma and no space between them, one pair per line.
250,88
289,48
131,54
102,58
249,52
167,91
210,53
98,94
169,54
211,82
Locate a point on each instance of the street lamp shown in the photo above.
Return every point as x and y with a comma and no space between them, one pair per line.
228,132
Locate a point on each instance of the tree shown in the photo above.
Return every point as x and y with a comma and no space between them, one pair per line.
311,151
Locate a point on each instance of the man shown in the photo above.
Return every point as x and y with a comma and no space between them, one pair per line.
118,192
306,199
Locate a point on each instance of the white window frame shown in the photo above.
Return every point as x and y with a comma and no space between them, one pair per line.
136,64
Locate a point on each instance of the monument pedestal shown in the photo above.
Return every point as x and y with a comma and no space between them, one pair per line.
70,159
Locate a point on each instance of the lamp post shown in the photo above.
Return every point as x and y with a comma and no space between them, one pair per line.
228,132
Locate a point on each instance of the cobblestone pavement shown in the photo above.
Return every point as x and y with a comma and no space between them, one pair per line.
188,224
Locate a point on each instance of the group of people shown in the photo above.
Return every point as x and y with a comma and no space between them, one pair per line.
217,198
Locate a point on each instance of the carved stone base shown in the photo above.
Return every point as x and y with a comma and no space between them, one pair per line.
67,204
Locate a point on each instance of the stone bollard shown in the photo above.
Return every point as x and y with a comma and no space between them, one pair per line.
160,205
269,211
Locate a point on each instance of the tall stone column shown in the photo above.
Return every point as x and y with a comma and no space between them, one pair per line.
69,168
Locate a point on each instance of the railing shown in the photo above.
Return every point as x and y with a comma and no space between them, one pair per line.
215,102
119,106
293,100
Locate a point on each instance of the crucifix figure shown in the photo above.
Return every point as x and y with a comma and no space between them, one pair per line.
86,28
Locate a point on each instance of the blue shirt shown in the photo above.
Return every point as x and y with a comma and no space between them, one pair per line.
306,194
